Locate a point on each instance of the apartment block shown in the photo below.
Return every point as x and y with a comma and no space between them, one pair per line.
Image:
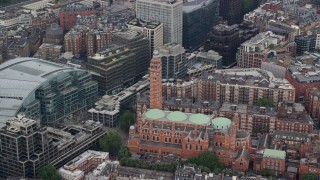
96,41
168,13
75,41
303,77
78,167
313,102
49,52
239,86
256,50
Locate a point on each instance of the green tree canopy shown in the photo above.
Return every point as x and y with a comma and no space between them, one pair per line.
126,120
266,172
265,102
111,143
309,176
207,159
49,172
124,152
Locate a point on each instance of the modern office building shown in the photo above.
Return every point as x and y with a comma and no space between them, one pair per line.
198,19
173,60
153,31
139,45
107,109
305,43
114,69
26,146
225,40
68,14
205,58
168,12
43,90
230,10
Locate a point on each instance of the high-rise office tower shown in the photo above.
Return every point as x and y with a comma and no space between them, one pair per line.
230,10
155,82
173,60
168,12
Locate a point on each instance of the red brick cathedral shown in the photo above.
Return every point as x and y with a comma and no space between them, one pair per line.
161,131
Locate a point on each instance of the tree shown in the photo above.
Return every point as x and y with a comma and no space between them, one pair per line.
265,102
49,172
266,172
126,120
111,143
124,152
309,176
207,159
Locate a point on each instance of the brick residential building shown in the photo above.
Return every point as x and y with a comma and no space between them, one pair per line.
303,77
256,50
96,41
313,102
274,160
238,86
75,41
68,14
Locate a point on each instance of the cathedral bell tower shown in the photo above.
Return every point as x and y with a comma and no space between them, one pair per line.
155,82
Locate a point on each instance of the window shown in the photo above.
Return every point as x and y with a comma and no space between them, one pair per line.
190,146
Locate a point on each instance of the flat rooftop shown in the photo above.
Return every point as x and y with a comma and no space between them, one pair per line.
304,73
248,77
146,24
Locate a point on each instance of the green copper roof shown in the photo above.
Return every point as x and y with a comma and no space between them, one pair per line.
177,116
155,114
199,119
221,123
276,154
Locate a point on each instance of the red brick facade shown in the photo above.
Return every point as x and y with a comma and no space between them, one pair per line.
301,88
68,15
